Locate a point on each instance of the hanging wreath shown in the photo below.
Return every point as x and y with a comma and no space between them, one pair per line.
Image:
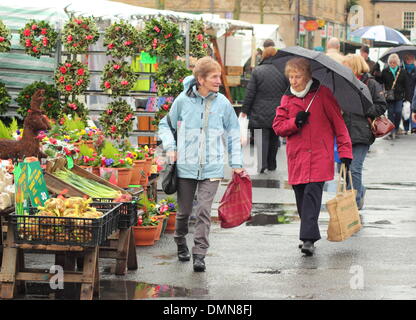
117,78
117,119
75,108
5,37
72,77
163,111
199,42
169,78
4,98
79,33
51,105
161,37
121,40
38,38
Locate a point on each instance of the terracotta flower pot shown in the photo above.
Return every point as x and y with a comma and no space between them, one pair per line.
137,171
124,177
96,171
144,235
148,166
159,226
171,222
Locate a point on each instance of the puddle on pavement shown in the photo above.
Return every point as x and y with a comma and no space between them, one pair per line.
114,290
407,186
272,213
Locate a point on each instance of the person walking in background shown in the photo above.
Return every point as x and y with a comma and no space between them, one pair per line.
310,143
266,44
409,65
394,74
203,118
264,91
357,125
333,50
374,66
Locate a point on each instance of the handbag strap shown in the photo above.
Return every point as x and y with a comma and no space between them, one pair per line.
395,80
343,175
171,128
313,98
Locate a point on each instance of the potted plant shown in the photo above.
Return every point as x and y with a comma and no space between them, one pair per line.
168,207
88,159
138,175
147,225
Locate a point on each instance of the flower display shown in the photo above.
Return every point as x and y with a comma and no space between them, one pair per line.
161,37
169,78
117,78
72,77
79,33
199,42
38,38
5,37
52,105
121,40
55,148
5,98
163,111
167,205
117,119
74,107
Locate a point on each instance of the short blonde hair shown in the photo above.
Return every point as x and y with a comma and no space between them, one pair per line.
205,66
356,63
392,57
298,64
268,52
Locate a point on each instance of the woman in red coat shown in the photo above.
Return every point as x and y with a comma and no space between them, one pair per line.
310,143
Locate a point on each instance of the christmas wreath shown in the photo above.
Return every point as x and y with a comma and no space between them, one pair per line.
199,42
117,78
38,38
161,37
121,40
51,105
72,77
169,78
5,37
75,108
79,33
163,111
4,98
117,119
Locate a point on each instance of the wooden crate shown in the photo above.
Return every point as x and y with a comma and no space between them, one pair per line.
233,81
234,71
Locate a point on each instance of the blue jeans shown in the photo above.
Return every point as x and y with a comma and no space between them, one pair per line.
394,112
359,152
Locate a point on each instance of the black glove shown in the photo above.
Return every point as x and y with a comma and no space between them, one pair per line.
347,162
301,118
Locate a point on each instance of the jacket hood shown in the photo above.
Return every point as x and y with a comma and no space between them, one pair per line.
187,82
315,85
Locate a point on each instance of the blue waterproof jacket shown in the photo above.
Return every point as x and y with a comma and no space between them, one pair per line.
201,152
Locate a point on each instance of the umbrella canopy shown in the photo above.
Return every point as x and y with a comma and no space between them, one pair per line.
380,34
352,95
401,51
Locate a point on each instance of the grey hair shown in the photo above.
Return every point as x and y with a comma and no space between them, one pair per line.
392,57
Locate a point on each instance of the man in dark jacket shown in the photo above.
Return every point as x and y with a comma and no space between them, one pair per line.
264,91
409,65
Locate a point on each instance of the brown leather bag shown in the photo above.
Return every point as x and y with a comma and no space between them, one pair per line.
381,126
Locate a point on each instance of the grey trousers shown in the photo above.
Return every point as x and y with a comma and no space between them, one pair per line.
205,195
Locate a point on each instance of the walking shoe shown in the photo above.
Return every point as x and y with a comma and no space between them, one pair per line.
308,248
183,252
199,263
300,245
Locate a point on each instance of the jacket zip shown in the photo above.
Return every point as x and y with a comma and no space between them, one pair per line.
200,142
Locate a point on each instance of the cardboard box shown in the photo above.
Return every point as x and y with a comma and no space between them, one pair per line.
234,71
233,81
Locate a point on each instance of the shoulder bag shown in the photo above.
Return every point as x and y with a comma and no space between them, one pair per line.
169,182
389,94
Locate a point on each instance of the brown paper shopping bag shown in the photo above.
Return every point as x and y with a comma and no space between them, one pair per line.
344,219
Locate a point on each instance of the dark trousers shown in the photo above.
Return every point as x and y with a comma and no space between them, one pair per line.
394,113
308,201
267,145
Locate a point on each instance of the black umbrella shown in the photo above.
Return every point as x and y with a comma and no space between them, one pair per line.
401,51
352,95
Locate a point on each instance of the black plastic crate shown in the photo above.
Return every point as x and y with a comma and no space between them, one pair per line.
66,230
128,211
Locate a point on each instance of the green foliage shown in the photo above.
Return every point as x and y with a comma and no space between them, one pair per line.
4,131
117,119
109,151
79,33
14,126
169,78
75,108
73,124
4,98
199,42
84,150
38,38
72,77
121,40
5,37
118,78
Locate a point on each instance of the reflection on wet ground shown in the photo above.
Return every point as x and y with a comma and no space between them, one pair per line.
115,290
272,213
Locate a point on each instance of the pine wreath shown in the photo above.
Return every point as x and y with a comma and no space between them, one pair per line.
51,105
38,38
117,78
79,33
199,41
169,78
117,119
72,77
4,98
5,37
162,37
121,40
75,108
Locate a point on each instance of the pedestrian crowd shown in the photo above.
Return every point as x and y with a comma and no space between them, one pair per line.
292,105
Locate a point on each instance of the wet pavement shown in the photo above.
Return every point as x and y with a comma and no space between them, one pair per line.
261,260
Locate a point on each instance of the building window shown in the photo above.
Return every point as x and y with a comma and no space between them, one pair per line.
408,20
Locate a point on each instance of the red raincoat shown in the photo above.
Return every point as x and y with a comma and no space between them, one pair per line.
310,149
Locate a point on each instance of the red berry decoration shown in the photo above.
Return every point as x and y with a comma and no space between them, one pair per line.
38,38
79,33
122,40
72,77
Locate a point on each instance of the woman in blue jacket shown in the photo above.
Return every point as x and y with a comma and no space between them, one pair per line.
205,121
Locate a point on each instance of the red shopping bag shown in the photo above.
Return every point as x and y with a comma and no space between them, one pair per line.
235,205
